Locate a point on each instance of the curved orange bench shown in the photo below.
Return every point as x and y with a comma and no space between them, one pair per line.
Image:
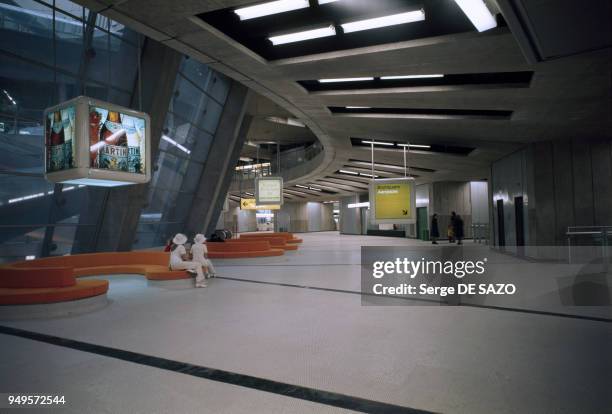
53,279
288,236
231,250
275,242
27,296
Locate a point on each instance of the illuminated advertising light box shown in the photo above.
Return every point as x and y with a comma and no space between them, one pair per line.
269,190
251,204
97,143
392,201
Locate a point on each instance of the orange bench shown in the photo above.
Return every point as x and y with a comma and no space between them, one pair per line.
288,236
27,296
231,250
275,242
53,279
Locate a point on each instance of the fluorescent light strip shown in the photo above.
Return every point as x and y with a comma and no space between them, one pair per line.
332,80
357,107
348,172
308,188
10,98
176,144
391,20
301,36
326,1
273,7
414,145
411,77
387,144
478,13
358,205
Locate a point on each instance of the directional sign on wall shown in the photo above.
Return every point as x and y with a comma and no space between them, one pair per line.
251,204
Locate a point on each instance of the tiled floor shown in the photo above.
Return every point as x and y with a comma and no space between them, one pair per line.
441,359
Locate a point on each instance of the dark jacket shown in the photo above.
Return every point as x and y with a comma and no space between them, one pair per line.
435,232
458,227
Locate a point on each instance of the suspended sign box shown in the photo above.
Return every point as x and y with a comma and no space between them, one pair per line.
251,204
269,190
392,201
97,143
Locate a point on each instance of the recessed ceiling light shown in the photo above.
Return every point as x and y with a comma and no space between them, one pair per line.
301,36
388,144
348,172
391,20
272,7
411,77
478,13
368,78
357,107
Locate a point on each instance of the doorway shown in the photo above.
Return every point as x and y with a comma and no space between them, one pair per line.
519,221
421,223
501,232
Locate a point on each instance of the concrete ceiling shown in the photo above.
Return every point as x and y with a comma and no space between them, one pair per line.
569,96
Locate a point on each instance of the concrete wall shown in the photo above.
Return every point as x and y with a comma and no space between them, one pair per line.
301,217
563,183
236,220
350,218
448,196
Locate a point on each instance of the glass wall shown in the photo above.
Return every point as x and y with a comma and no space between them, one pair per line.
193,115
50,51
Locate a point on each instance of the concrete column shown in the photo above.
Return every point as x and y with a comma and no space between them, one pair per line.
222,158
113,214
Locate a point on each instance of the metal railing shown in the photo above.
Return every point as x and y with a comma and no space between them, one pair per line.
600,234
480,232
288,159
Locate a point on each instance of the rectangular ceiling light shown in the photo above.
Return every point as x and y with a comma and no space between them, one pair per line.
357,107
326,1
272,7
346,79
348,172
388,144
478,13
414,145
359,205
301,36
391,20
411,77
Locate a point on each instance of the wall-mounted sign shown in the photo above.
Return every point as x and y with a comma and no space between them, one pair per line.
392,201
269,190
251,204
96,143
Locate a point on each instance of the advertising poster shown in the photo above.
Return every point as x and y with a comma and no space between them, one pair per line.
392,201
60,139
269,190
116,141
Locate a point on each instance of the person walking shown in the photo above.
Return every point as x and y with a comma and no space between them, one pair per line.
457,222
179,260
435,232
199,252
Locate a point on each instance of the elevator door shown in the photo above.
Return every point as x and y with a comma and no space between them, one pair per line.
501,232
518,214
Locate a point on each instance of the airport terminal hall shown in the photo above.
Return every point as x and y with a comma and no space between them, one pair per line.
306,206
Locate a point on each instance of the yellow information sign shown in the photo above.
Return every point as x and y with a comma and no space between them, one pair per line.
393,201
250,204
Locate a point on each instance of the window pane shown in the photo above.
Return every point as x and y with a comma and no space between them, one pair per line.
98,63
196,72
218,87
27,30
69,42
